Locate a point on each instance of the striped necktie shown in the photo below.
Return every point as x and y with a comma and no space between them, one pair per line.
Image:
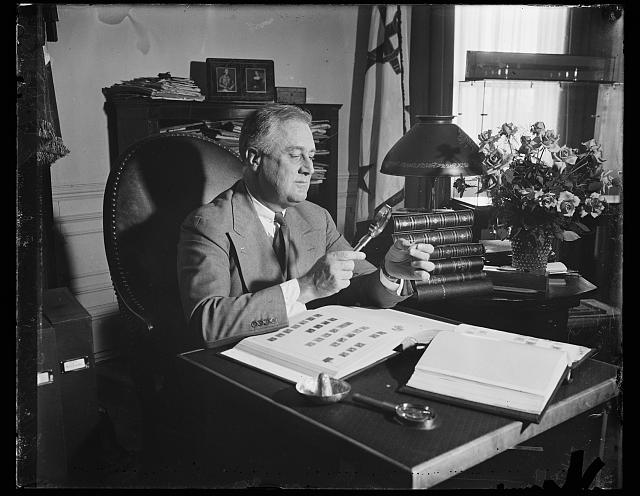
280,242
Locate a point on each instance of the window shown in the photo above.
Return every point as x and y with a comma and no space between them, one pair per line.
482,105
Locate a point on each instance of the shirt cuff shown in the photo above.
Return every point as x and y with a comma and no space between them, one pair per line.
394,287
291,292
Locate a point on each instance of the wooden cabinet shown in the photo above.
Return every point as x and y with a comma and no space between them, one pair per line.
131,119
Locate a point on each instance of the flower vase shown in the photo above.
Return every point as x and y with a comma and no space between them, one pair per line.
530,254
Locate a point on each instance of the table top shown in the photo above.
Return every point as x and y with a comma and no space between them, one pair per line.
560,287
462,438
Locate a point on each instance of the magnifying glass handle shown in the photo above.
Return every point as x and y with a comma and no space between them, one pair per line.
373,402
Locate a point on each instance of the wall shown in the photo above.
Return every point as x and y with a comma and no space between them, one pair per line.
312,47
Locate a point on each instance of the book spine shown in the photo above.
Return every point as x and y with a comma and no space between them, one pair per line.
427,221
436,238
434,292
460,250
465,264
454,277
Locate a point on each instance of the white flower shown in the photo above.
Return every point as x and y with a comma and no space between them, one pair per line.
567,203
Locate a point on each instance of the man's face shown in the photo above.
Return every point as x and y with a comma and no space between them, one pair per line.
284,174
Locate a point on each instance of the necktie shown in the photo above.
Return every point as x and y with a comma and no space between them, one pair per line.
280,241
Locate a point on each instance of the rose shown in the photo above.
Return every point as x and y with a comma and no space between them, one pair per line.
595,204
546,200
545,158
591,144
566,155
538,128
526,145
567,203
485,136
493,160
594,149
508,129
550,140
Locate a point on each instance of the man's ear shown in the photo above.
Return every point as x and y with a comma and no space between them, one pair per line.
254,159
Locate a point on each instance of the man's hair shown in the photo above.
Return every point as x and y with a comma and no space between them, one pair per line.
259,125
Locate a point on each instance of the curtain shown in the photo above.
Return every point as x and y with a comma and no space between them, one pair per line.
383,107
38,124
38,146
482,105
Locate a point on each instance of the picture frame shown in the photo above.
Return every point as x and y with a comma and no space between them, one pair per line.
240,80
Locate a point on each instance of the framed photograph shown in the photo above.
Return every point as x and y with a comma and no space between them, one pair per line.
226,80
240,80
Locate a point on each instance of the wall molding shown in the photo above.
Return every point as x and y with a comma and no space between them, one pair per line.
70,191
77,212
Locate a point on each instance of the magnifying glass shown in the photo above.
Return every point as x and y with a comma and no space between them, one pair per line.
420,416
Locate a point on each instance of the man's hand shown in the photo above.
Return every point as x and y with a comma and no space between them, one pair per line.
407,260
329,274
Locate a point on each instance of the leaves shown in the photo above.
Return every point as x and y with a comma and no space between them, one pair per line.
581,226
569,236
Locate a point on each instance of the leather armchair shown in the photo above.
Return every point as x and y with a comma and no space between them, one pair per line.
155,184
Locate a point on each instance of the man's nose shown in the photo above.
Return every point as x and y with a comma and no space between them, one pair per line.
308,165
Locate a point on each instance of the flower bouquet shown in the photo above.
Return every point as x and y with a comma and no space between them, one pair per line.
540,190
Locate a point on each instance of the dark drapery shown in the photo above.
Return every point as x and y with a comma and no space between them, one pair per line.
38,146
591,31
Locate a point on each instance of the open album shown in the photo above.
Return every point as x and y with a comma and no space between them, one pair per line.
495,371
336,340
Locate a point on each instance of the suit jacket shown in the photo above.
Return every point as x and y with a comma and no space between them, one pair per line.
229,275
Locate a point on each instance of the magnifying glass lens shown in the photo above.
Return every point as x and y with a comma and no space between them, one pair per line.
416,413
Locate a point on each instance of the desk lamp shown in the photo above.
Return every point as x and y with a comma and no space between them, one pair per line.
433,147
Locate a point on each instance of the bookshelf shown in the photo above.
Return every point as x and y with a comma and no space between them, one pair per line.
132,119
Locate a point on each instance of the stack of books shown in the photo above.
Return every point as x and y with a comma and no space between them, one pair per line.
320,130
458,260
162,87
225,133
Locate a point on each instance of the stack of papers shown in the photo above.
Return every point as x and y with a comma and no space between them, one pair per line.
163,87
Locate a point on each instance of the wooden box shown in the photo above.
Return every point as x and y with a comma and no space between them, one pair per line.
51,459
65,358
292,95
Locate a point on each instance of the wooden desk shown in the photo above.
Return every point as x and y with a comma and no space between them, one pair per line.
252,426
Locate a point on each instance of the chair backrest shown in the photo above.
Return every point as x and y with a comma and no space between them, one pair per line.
158,181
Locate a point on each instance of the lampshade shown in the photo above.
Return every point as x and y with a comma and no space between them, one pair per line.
433,147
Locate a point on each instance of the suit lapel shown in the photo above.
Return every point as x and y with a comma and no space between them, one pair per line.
256,259
258,263
305,244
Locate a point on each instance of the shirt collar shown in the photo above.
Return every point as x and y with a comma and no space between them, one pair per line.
263,211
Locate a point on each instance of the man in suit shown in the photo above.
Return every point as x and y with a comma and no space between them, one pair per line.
232,281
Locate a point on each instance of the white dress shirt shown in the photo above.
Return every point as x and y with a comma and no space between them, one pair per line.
291,288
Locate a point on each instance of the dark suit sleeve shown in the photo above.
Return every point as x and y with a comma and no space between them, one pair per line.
212,299
365,289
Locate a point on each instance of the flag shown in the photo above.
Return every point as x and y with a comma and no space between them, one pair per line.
383,109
